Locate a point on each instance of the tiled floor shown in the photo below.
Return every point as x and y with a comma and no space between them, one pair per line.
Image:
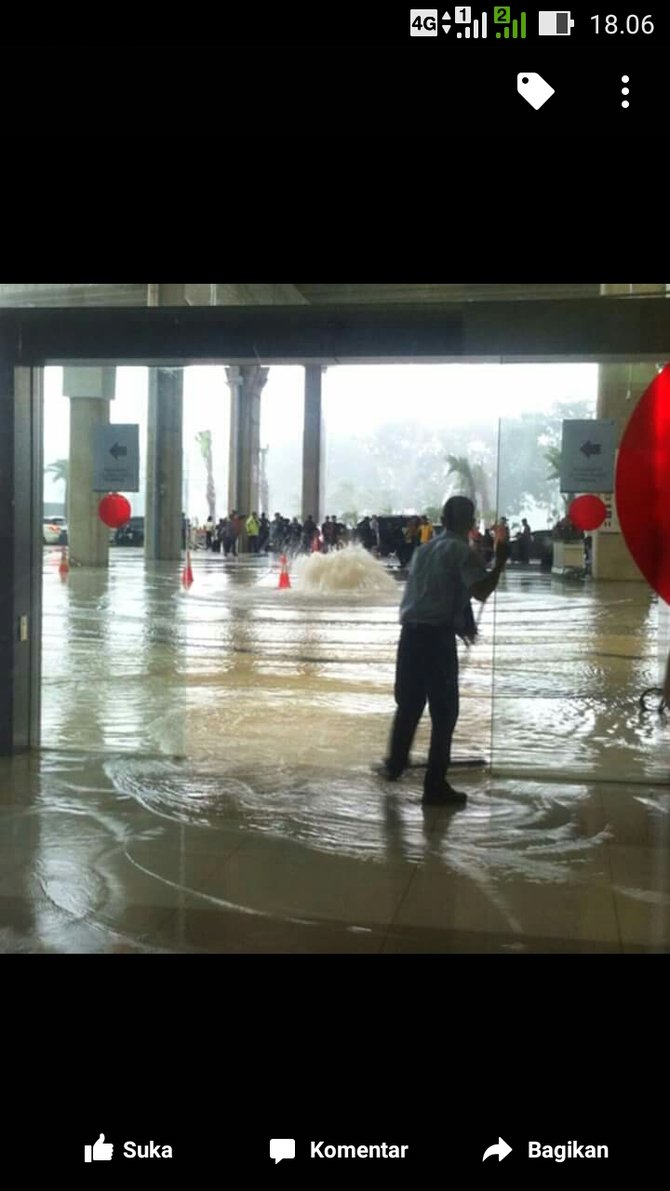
206,782
85,866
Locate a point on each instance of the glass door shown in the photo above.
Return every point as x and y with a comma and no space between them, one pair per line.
576,645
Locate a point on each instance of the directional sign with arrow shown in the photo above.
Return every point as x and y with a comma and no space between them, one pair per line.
116,458
587,455
501,1149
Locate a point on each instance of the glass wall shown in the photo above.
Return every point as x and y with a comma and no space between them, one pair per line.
206,439
233,668
574,649
282,411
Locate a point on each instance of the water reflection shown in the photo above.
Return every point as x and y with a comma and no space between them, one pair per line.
99,853
234,670
569,667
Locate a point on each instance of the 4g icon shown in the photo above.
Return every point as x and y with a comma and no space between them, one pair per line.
423,22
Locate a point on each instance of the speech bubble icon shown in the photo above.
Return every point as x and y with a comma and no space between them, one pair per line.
282,1147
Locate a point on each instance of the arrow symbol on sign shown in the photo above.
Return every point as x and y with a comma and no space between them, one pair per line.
590,448
501,1149
117,450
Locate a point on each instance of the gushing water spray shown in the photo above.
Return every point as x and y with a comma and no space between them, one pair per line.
352,569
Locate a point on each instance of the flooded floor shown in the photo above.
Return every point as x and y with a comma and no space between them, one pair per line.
205,780
235,671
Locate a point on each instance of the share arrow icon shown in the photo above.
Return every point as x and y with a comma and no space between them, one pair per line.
502,1150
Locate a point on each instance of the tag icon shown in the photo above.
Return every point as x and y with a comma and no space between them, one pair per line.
534,89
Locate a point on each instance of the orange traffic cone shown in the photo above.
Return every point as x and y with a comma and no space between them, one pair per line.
64,566
284,580
187,573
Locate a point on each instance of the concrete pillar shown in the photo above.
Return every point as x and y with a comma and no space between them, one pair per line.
313,446
246,385
163,491
620,387
163,510
90,391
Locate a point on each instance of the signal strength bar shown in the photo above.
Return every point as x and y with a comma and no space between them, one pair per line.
515,28
475,28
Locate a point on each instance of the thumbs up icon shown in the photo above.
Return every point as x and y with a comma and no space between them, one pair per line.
100,1152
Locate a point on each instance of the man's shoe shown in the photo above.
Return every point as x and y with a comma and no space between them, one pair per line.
443,795
383,769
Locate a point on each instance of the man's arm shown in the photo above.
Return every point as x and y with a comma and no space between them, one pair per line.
483,588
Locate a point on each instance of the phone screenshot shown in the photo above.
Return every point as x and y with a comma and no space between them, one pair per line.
334,646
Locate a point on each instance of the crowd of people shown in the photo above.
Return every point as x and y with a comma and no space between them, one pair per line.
252,534
381,535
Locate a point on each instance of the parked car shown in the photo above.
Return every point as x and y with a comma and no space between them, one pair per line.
54,531
130,534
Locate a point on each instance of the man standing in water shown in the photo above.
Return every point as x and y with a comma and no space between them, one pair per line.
434,610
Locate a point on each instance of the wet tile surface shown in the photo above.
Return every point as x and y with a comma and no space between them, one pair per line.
89,865
205,784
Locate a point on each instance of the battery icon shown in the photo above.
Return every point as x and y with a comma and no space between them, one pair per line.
555,24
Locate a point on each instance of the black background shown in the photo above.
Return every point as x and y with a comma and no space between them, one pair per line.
419,88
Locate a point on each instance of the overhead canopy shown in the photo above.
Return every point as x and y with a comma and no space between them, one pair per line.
591,329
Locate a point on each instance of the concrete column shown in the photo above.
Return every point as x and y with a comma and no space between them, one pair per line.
88,536
620,387
246,385
234,378
163,491
313,446
163,512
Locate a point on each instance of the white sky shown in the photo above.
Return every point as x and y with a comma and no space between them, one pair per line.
358,398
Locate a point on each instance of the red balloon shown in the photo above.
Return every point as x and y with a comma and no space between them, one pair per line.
587,512
643,484
114,510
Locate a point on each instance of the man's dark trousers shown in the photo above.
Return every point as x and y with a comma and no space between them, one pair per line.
426,670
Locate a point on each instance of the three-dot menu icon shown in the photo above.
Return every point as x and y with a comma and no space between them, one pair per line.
625,90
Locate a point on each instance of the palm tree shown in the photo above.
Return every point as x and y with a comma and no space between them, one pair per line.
265,487
481,482
459,466
474,482
60,470
204,439
553,458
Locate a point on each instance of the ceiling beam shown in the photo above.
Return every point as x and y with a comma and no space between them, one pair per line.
618,328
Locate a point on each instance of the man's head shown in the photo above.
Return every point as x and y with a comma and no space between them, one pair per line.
458,514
